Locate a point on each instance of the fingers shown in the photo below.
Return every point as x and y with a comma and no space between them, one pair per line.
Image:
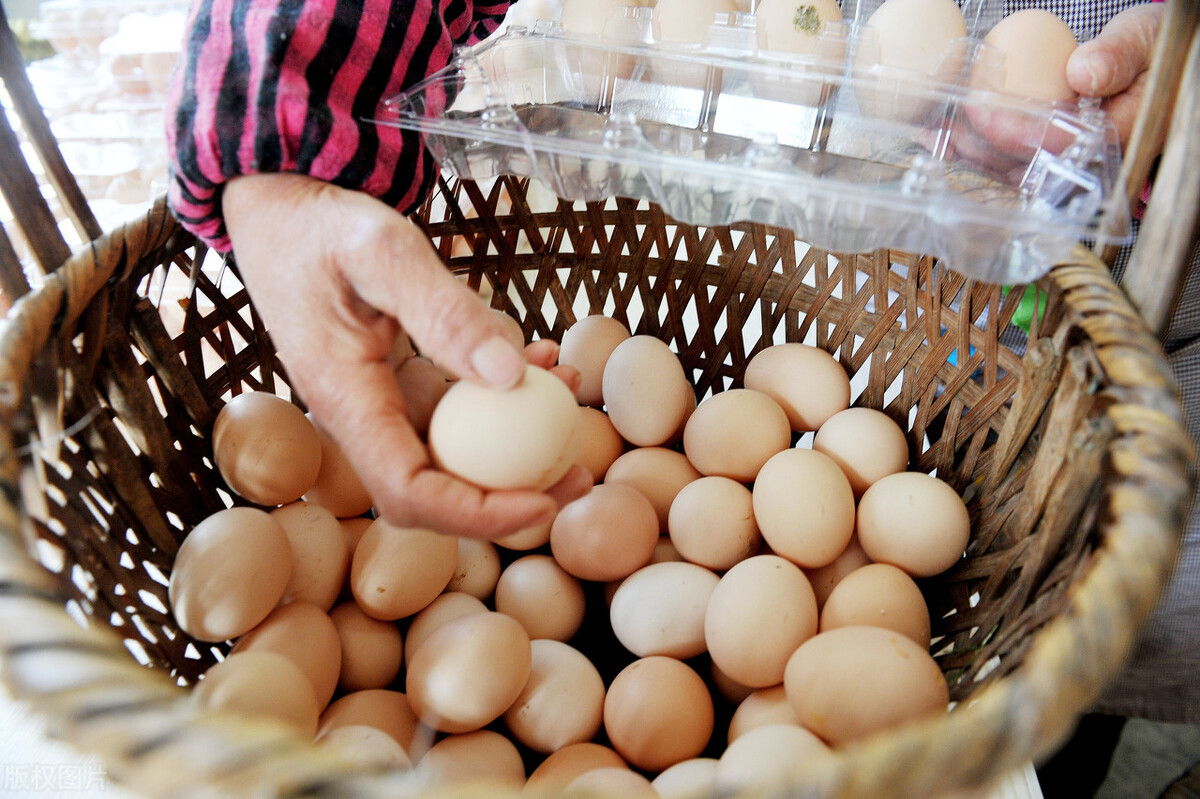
1110,63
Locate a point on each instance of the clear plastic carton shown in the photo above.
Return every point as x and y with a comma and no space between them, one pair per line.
850,155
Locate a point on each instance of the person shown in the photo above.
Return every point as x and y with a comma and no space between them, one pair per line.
274,157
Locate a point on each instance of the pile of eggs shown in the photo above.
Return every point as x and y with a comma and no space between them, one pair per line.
733,597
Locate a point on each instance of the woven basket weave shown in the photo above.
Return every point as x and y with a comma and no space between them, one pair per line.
1068,446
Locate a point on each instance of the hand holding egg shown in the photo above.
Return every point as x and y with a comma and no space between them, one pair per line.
356,271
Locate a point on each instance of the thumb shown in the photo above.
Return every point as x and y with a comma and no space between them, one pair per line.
1109,63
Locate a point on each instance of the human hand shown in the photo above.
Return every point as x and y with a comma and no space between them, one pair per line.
334,273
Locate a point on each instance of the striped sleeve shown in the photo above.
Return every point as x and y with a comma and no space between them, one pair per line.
286,86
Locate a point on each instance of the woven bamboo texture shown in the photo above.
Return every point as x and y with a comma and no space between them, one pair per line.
1067,443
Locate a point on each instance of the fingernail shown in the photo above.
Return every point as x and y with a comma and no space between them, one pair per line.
497,362
1100,73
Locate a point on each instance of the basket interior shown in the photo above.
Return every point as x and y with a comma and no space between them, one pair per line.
120,464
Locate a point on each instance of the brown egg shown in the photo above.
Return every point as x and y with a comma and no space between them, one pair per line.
563,701
711,523
853,681
606,534
367,746
760,611
545,599
767,756
865,443
446,607
397,571
477,569
659,609
687,779
320,562
600,445
657,713
807,382
764,706
914,521
586,345
469,671
372,650
824,578
338,488
353,530
526,436
527,539
733,433
229,573
307,636
261,684
610,782
389,711
658,473
646,392
422,385
1034,45
804,507
478,756
265,448
728,687
561,767
879,595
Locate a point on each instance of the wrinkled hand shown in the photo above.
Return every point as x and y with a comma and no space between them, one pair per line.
334,273
1115,65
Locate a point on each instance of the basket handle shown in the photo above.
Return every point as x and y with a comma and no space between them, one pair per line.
1155,274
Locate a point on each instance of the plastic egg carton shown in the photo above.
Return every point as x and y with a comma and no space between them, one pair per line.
849,153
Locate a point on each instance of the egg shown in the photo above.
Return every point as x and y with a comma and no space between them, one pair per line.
589,17
914,521
389,711
867,444
767,756
659,609
687,21
804,507
561,767
588,342
352,532
600,443
526,436
230,572
796,26
445,608
646,392
338,488
562,702
610,782
263,684
397,571
422,384
1034,45
606,534
732,690
526,539
469,671
320,561
687,778
879,595
658,712
657,473
307,636
711,523
807,382
477,568
265,448
764,706
824,578
372,651
480,756
848,683
733,433
366,746
542,596
759,612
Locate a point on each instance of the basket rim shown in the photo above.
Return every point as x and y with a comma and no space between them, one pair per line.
1070,660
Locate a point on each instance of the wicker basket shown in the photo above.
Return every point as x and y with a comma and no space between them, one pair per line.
1068,445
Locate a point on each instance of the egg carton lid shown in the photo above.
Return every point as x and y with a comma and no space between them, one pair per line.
998,187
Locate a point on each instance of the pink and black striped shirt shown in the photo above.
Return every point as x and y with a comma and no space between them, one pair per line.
288,86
